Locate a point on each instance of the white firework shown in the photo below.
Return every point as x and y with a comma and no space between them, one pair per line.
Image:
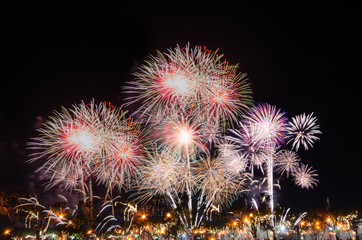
302,130
304,177
234,163
286,162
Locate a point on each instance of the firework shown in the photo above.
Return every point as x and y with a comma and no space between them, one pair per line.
182,135
243,142
191,79
215,182
286,162
86,141
68,178
162,174
268,125
304,177
234,163
302,130
67,140
226,98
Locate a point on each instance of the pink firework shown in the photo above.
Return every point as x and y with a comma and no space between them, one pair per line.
182,135
98,139
226,98
194,80
267,124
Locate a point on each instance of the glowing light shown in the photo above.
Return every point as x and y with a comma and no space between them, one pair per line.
185,135
143,216
168,215
179,83
182,135
84,139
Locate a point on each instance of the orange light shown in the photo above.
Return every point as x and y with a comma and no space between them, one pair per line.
251,215
89,232
168,215
7,231
61,216
143,216
328,219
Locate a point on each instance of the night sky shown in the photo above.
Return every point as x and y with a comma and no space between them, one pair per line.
301,58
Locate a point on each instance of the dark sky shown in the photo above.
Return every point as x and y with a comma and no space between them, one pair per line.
301,58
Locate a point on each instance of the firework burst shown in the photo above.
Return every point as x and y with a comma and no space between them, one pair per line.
302,130
163,173
190,79
215,182
67,140
286,162
243,142
88,138
304,177
182,136
267,124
